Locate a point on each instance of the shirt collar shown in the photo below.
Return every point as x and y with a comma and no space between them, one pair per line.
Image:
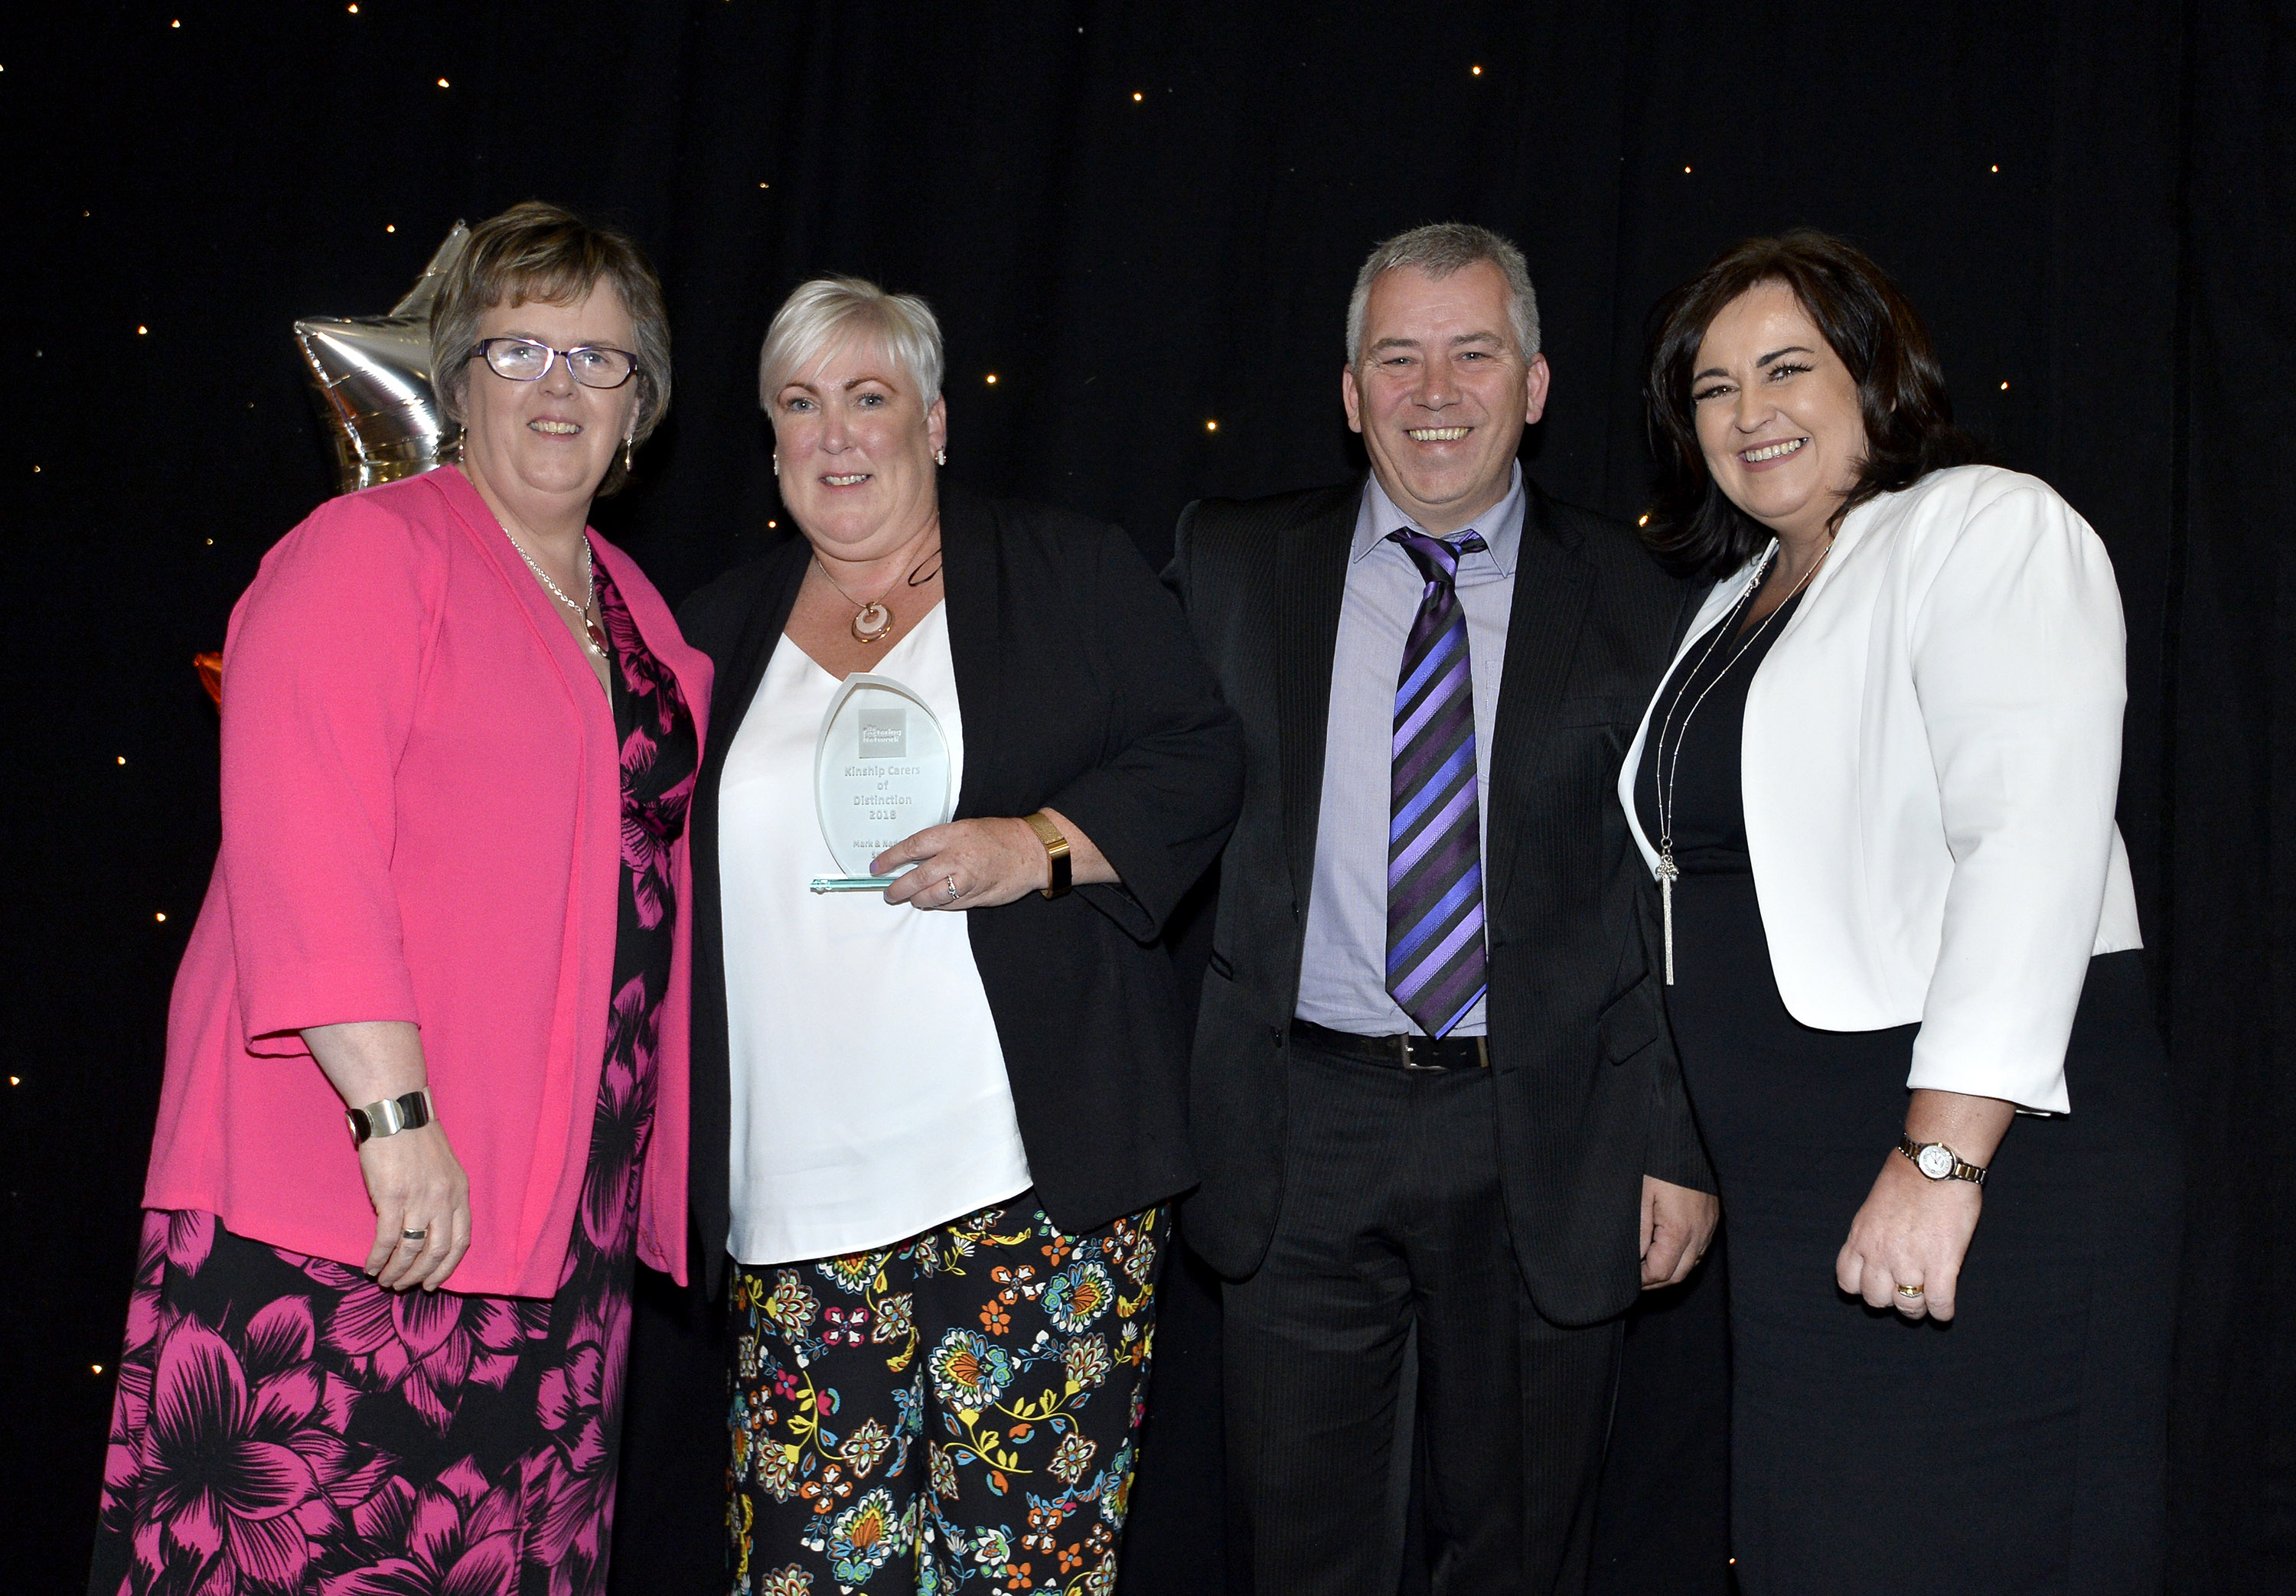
1501,525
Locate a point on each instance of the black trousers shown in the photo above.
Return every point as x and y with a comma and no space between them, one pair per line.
1392,1224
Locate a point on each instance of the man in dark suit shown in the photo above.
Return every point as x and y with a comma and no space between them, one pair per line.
1433,1098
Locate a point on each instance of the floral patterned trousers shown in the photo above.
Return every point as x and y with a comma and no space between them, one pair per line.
953,1413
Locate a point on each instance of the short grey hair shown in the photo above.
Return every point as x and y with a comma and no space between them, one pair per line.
822,315
1438,249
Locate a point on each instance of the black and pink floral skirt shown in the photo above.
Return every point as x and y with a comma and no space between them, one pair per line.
284,1424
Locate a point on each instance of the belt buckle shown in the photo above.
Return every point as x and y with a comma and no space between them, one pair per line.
1402,1051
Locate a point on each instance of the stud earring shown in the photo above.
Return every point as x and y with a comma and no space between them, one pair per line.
940,457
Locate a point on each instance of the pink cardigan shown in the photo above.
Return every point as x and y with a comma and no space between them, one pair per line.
422,821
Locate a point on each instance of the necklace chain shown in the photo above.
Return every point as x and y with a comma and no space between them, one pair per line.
1662,779
589,582
862,607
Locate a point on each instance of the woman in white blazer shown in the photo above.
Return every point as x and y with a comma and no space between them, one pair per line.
1876,791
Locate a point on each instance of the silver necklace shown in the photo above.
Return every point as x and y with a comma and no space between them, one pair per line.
1662,779
593,635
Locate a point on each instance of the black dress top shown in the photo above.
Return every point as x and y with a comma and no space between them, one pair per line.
1698,722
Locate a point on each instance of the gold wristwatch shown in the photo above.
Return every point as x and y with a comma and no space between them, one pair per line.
1056,850
1939,1162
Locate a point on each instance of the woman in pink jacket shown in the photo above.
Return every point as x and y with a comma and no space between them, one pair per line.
459,734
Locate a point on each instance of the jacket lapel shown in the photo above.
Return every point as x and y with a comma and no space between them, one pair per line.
970,588
1552,589
744,667
1310,578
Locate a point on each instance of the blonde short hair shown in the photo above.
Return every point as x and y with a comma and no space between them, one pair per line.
539,252
821,317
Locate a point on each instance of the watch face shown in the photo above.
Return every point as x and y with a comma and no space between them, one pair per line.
1936,1161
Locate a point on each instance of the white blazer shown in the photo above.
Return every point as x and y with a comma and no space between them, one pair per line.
1930,761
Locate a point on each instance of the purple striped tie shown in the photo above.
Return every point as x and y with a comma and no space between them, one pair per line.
1435,961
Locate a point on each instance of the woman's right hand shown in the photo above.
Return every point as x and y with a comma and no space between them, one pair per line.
415,1183
413,1178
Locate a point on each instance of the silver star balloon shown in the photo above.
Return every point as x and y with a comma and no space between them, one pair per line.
373,377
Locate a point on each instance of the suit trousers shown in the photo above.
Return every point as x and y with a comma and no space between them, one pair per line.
1392,1229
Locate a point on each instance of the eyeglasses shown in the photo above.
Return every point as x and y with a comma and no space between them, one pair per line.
524,360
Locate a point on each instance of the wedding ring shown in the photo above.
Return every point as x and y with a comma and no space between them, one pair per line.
412,1235
952,893
1909,1291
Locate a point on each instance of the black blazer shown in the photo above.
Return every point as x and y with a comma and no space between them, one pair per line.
1589,1092
1082,693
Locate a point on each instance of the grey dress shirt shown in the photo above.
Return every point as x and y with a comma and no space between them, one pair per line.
1343,965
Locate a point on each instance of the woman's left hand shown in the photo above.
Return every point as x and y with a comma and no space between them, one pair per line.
1912,1231
966,864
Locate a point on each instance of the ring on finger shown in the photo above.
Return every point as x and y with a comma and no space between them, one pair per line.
412,1235
950,887
1910,1293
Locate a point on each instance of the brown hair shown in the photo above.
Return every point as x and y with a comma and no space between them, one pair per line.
1871,327
535,251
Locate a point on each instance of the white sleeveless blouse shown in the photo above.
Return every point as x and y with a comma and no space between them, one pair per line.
870,1100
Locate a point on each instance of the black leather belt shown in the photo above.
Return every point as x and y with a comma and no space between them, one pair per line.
1399,1052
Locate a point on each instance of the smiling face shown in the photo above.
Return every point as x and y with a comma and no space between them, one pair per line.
856,443
540,447
1777,412
1440,392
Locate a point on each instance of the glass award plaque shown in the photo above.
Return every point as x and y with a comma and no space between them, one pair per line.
881,772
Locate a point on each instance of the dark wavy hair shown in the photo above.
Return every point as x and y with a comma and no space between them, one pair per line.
1692,528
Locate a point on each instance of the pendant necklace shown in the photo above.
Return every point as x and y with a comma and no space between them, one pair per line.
871,619
1663,777
593,635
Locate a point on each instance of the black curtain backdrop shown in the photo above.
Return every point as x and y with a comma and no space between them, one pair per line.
1145,221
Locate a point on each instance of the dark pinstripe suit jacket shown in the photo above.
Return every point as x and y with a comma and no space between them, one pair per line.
1589,1092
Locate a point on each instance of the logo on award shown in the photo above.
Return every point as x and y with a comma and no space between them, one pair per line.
885,732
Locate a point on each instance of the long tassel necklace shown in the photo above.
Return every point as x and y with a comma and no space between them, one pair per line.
594,633
1663,779
872,618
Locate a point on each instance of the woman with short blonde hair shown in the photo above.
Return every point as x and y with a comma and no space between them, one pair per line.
938,1120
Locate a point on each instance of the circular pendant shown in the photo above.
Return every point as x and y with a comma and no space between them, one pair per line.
871,622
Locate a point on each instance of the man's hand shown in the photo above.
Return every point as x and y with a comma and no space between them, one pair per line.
1678,1224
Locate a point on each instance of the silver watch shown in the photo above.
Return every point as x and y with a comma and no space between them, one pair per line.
1939,1162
